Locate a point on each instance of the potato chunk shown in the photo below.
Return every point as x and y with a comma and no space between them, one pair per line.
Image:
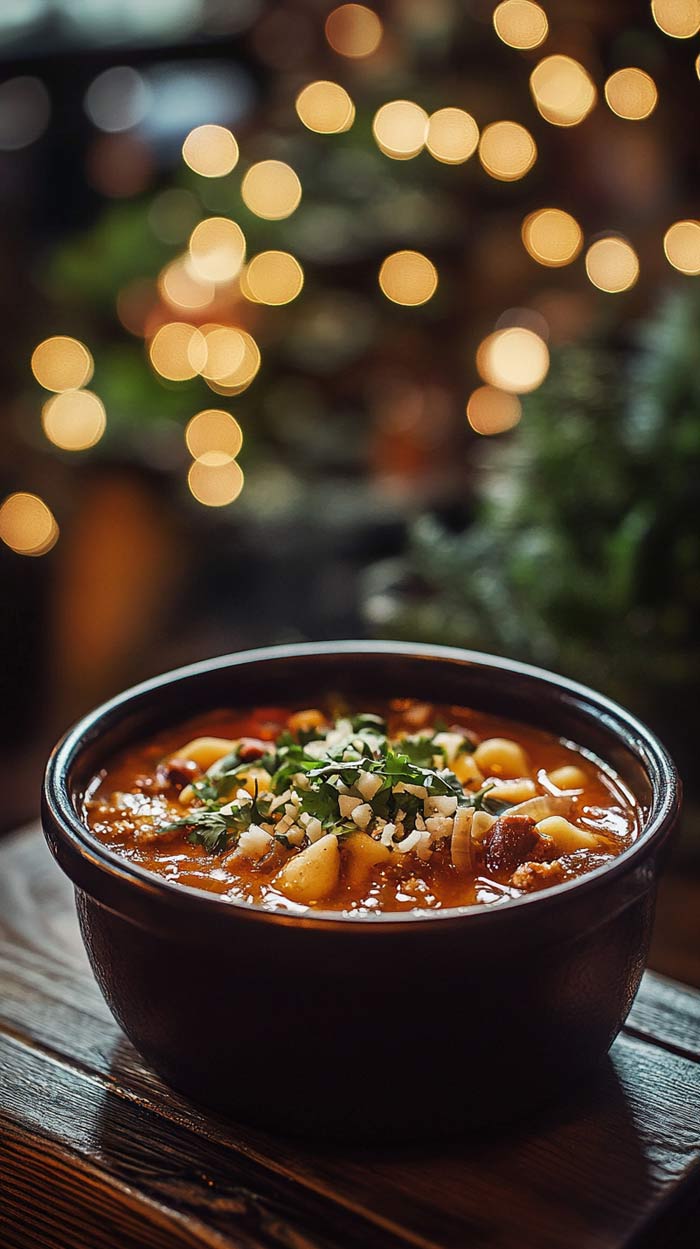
306,721
310,876
254,779
499,756
360,854
513,791
206,750
466,769
566,836
568,777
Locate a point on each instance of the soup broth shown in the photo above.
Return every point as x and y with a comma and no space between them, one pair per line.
401,807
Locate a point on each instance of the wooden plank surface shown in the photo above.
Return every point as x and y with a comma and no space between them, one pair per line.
95,1151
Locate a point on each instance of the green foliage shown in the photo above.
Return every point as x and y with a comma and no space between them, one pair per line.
585,550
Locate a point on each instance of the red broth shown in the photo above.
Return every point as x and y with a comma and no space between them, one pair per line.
416,808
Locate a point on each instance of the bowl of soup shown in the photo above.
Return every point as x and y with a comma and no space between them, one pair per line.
364,889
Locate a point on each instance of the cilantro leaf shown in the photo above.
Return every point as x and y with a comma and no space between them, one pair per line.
421,749
216,830
322,803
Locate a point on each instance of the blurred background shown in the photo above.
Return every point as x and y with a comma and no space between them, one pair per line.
338,321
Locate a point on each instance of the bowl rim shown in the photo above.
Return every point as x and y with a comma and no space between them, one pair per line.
58,808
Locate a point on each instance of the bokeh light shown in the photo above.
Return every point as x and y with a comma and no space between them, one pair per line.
520,23
225,348
552,237
182,287
118,99
215,485
563,90
325,107
217,249
271,189
507,150
74,420
408,278
273,278
631,94
515,360
61,363
453,135
400,129
678,18
25,109
240,377
492,411
210,151
178,351
353,30
612,264
27,525
214,437
682,246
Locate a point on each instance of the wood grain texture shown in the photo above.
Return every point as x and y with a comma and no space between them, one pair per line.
95,1151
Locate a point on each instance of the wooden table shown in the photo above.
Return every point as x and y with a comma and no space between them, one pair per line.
96,1152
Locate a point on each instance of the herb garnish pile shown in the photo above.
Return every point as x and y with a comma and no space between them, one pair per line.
313,770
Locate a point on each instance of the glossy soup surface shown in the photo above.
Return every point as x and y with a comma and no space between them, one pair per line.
399,807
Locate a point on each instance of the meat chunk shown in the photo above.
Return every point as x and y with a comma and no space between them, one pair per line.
178,772
531,876
250,748
510,842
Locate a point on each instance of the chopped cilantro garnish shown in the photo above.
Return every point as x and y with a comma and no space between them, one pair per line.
350,750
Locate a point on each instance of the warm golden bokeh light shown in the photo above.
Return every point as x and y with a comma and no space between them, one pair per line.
217,249
408,278
181,287
273,278
612,265
178,351
215,485
563,90
271,189
242,375
74,420
631,94
682,246
400,129
678,18
552,237
353,30
325,107
492,411
210,151
27,525
453,135
515,360
225,349
520,23
61,363
214,437
507,150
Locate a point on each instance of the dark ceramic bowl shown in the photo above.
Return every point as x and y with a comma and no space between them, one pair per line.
387,1024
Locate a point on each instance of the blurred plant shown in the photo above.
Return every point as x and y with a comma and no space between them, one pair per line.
584,554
